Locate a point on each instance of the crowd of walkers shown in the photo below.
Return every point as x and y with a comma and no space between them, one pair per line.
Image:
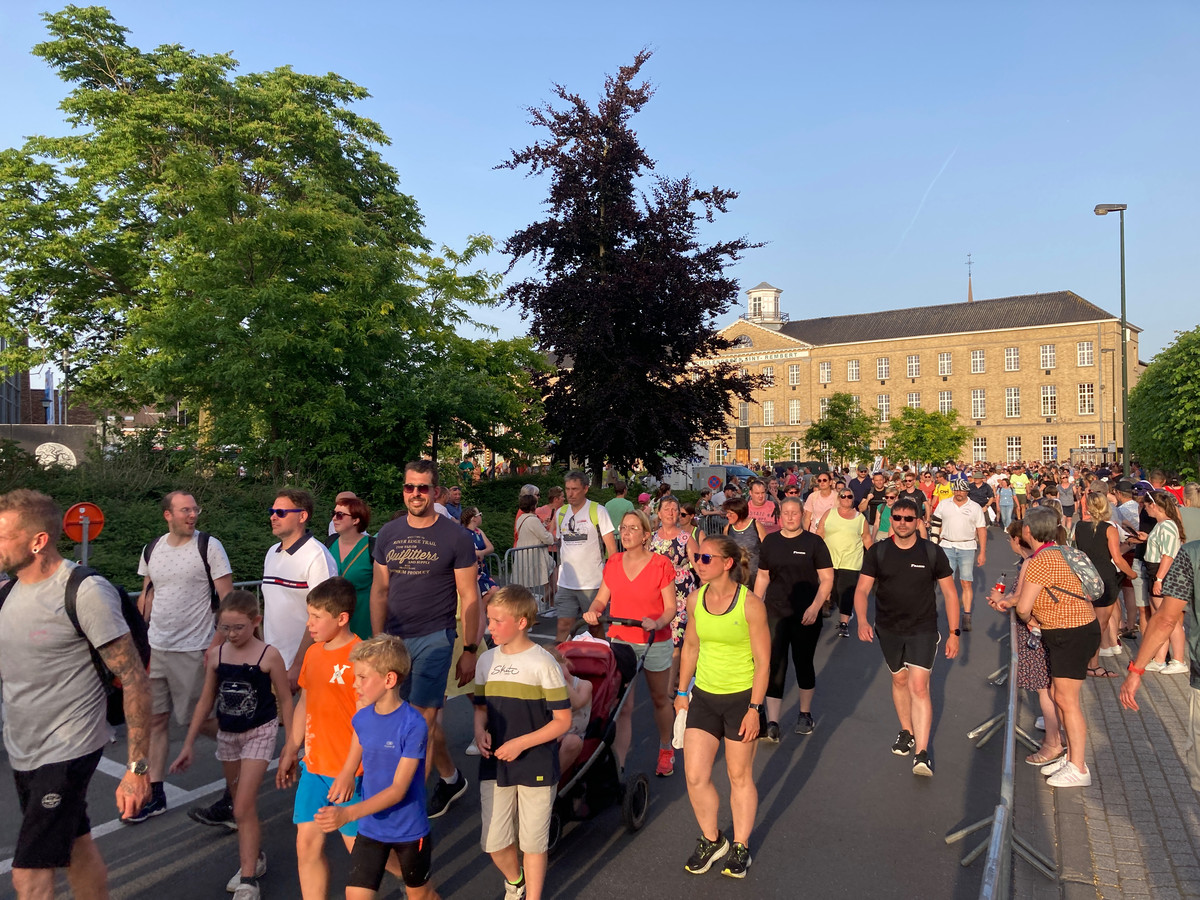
361,637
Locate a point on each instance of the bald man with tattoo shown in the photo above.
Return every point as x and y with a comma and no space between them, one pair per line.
55,727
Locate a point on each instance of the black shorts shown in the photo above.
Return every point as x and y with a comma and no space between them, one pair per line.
1069,650
900,650
720,715
54,815
369,858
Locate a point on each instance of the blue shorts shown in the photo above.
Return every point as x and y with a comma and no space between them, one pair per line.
312,793
962,563
431,657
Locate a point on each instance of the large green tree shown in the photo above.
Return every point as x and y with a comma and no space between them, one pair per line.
236,243
845,430
921,436
1164,408
626,294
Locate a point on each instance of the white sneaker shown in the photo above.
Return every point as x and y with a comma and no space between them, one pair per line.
1070,776
1154,666
247,892
1040,724
260,869
472,749
1054,765
1109,651
1175,667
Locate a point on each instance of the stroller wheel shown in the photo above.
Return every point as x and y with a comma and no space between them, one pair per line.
635,802
556,827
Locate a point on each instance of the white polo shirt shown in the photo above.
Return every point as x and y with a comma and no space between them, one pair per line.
959,524
288,576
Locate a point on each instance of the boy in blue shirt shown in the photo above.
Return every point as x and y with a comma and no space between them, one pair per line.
521,710
389,741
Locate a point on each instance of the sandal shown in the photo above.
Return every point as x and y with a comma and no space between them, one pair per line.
1100,672
1040,758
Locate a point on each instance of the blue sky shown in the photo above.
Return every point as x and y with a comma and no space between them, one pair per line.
873,144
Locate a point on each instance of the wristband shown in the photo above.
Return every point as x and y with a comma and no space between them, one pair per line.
681,693
1135,669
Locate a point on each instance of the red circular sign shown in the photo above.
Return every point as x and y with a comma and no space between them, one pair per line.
714,482
73,521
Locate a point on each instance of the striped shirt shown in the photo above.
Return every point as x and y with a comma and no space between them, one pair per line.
1163,541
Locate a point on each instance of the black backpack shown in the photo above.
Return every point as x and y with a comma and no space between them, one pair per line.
138,630
201,545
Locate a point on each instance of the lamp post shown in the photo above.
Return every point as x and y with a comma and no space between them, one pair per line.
1103,209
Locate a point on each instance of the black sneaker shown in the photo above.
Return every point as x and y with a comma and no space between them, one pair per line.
843,629
219,815
707,852
904,743
804,723
443,795
156,806
965,624
737,862
921,764
770,734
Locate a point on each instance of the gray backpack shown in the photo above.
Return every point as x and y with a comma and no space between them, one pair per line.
1085,571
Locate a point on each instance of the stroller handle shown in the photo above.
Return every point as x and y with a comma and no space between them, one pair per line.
609,620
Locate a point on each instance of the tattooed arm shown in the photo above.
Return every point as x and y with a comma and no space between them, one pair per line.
121,656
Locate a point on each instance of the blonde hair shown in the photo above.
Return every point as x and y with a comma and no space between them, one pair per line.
1098,507
517,601
384,653
643,519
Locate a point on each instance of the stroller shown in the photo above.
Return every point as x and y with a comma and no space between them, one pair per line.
593,778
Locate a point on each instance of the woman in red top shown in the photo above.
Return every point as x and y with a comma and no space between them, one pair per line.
641,585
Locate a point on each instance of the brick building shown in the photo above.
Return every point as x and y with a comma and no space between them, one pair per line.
1036,376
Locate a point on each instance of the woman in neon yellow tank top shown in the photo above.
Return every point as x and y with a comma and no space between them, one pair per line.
727,648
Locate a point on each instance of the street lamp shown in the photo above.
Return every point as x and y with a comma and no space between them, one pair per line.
1103,209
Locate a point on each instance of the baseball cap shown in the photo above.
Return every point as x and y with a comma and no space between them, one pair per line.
1142,488
643,497
1125,486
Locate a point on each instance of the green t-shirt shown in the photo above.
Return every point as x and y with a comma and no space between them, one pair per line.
616,508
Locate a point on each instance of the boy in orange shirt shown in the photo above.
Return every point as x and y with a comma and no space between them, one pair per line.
322,726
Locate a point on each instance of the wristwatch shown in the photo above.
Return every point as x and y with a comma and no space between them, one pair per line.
956,631
470,648
138,767
757,707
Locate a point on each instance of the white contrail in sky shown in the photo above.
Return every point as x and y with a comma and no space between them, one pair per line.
921,205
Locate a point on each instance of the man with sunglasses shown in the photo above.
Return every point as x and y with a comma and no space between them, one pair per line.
860,486
424,564
903,573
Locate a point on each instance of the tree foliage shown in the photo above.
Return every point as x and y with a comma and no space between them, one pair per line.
236,243
1164,409
926,437
846,430
627,294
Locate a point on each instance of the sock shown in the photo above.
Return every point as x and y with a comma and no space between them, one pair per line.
520,879
157,791
453,779
246,880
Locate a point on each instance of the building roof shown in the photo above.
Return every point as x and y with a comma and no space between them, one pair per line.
1027,311
763,286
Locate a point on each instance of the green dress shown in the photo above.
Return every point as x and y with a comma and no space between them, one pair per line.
358,568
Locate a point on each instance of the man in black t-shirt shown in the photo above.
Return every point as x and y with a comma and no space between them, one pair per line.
910,490
903,572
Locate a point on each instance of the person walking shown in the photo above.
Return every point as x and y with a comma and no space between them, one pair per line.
846,533
1096,536
353,550
678,544
1162,546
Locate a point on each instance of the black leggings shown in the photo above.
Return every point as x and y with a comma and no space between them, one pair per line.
789,631
845,581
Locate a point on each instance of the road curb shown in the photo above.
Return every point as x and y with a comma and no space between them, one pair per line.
1074,850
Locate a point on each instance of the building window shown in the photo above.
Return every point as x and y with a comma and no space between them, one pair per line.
944,364
977,362
720,452
883,403
1049,400
1048,356
793,375
743,372
824,404
768,374
794,450
979,449
945,403
768,412
825,452
1014,449
743,414
1049,448
768,453
1084,354
852,370
1087,442
914,366
1087,400
854,399
756,305
1012,359
914,399
978,404
825,372
793,412
1012,403
883,368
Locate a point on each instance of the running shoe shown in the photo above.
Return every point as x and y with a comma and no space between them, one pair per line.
444,794
1040,724
260,869
904,743
1155,666
472,749
1070,776
156,806
921,764
1175,667
666,762
804,723
219,814
737,862
843,629
515,891
707,852
1051,767
247,891
770,734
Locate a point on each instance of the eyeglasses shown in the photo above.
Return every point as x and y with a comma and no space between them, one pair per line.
845,496
421,489
188,510
896,518
631,528
706,558
339,515
282,513
231,629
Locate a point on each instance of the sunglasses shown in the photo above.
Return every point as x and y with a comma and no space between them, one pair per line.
706,558
890,497
822,481
339,515
422,489
282,513
791,493
896,518
845,496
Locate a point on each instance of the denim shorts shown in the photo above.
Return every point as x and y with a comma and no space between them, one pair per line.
431,657
962,563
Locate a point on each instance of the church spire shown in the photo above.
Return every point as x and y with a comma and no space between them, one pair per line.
970,296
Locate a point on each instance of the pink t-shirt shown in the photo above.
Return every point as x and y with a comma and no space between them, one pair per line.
766,515
817,506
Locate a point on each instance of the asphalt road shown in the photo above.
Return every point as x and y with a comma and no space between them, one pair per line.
839,814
